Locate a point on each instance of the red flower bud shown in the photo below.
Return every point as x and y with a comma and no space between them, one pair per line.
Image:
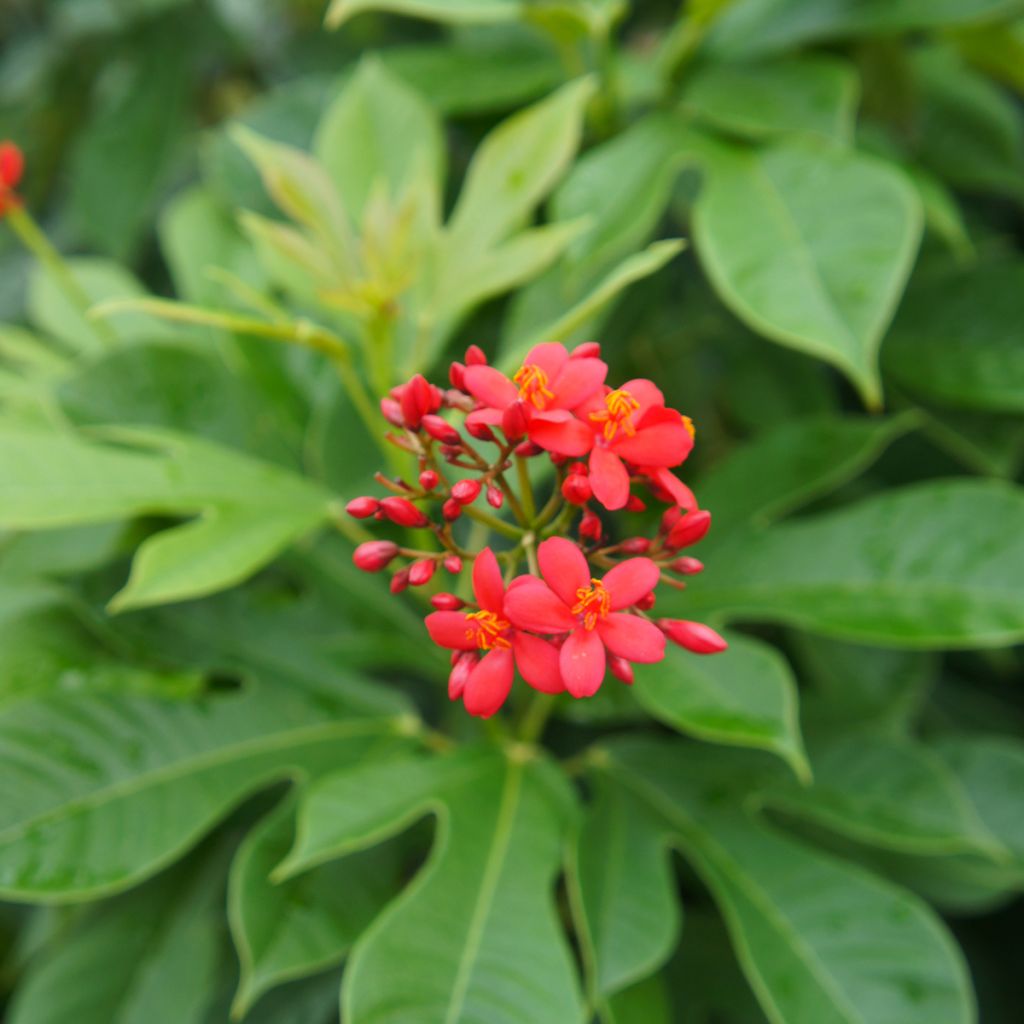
374,555
635,504
457,376
494,496
590,526
403,512
12,165
687,566
694,636
528,449
646,603
480,431
440,430
453,564
576,489
669,518
451,510
392,412
418,398
513,421
578,469
635,546
621,669
557,459
400,581
429,479
445,602
465,492
460,675
586,350
421,572
475,356
689,529
362,508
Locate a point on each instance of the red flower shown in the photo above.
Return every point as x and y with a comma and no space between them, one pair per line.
12,165
569,601
549,379
630,424
485,684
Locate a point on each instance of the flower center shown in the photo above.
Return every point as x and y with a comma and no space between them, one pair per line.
533,385
593,603
488,630
617,414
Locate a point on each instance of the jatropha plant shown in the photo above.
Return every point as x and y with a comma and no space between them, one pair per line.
584,606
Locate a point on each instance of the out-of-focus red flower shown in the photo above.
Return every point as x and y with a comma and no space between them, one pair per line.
12,166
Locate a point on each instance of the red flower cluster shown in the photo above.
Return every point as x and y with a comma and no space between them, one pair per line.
559,624
12,165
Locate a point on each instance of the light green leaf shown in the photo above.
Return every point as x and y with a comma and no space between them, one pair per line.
516,165
933,565
646,1002
805,95
297,928
623,890
790,465
250,510
956,340
820,941
811,247
500,957
745,696
377,130
152,955
473,12
127,784
888,792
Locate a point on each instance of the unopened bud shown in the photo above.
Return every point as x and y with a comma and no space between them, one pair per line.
586,350
479,430
669,518
635,504
689,529
527,450
445,602
374,555
590,526
475,356
465,492
451,510
494,496
392,412
429,479
400,581
362,508
453,564
457,375
440,430
417,398
460,675
403,512
421,572
576,489
646,603
621,669
513,421
694,636
635,546
687,566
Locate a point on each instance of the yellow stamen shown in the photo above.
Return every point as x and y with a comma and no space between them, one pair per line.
533,385
487,630
617,414
690,428
593,603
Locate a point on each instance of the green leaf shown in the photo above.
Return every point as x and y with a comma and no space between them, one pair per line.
810,247
500,957
820,941
888,792
377,130
805,95
250,510
751,27
623,890
516,165
745,697
152,955
646,1002
473,12
956,339
298,927
129,783
933,565
791,465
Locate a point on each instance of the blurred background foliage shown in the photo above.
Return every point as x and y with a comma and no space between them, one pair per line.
891,132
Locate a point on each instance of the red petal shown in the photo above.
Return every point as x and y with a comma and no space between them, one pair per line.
632,638
646,393
448,629
582,662
664,443
537,661
679,492
487,583
559,431
490,386
531,604
564,567
609,479
550,356
630,581
579,379
489,683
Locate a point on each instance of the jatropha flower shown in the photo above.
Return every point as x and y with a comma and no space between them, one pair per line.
581,608
12,165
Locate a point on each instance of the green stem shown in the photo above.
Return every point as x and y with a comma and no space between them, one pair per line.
538,711
496,524
34,239
529,543
360,399
380,351
526,490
